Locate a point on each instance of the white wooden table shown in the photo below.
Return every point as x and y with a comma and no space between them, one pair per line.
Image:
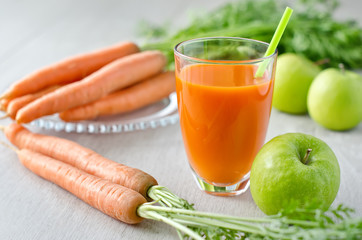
36,33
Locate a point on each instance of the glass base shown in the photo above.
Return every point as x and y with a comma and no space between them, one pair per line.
230,190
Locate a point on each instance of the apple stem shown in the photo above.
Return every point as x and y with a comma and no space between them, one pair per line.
306,158
341,66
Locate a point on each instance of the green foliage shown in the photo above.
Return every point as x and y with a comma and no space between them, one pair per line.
294,222
312,30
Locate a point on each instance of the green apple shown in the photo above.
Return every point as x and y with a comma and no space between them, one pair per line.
294,167
335,99
293,76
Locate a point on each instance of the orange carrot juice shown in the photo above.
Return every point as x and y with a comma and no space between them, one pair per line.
224,114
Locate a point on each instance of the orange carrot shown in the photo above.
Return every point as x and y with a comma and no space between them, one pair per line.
125,100
118,74
4,104
19,102
113,199
83,158
69,70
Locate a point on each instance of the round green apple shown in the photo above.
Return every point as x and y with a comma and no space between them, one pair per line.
294,167
293,76
335,99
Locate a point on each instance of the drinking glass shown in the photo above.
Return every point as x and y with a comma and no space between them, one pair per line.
224,108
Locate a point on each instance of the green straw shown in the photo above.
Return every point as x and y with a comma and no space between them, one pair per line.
275,40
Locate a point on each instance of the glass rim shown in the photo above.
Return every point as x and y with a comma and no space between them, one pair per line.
249,61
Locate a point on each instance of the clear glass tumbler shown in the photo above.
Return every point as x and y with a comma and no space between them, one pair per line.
224,109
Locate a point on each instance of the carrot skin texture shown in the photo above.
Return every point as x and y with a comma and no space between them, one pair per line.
125,100
19,102
70,69
112,199
80,157
118,74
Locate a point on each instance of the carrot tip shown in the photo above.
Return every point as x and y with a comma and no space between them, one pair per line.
4,117
9,146
3,96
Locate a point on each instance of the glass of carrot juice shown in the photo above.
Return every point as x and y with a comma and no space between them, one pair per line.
224,108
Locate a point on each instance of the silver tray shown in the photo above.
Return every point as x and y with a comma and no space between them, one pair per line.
159,114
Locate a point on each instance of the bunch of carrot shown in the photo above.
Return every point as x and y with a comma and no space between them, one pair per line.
114,188
112,80
111,187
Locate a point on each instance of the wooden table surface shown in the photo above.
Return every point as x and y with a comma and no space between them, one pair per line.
37,33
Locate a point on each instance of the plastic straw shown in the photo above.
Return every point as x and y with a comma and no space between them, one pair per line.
275,41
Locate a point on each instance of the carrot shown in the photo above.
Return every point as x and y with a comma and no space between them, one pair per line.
19,102
78,156
113,199
125,100
4,104
116,75
69,70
